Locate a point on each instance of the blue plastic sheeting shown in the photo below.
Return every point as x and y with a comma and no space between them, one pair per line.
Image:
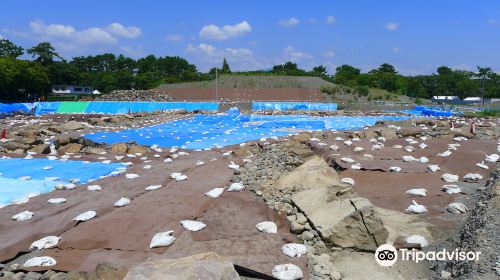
437,113
43,108
111,107
282,106
207,131
14,107
11,169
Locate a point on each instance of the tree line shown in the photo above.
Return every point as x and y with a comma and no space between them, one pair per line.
21,79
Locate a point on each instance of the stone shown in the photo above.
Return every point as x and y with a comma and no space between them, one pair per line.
110,271
303,137
41,149
388,133
13,146
70,148
119,148
301,219
134,149
27,133
307,235
325,266
411,131
33,276
445,274
312,174
32,141
296,227
62,140
96,151
208,266
338,221
72,125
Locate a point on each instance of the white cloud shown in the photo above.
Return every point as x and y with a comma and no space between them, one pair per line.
207,56
396,49
391,26
1,37
241,53
330,19
329,54
174,38
313,20
289,22
119,30
203,48
463,67
137,52
294,55
214,32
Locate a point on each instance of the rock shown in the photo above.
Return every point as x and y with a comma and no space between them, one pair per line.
301,219
41,149
95,121
12,146
110,271
307,235
62,140
338,221
134,149
314,173
445,274
302,137
296,227
32,141
119,148
27,133
388,133
72,125
96,151
201,266
411,131
32,276
298,148
324,266
70,148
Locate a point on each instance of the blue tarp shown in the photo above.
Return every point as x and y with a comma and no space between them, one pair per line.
282,106
14,107
11,169
111,107
206,131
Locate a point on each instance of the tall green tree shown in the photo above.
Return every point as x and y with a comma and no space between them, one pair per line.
320,69
9,49
347,75
225,67
44,53
483,73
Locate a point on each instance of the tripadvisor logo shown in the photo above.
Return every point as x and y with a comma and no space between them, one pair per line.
387,255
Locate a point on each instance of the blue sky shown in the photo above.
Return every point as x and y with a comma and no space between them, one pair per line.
415,36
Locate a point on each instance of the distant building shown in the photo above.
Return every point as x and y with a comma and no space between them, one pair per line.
445,99
61,90
472,100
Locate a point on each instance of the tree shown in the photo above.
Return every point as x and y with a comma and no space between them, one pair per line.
320,69
483,73
9,49
387,68
347,75
44,52
225,67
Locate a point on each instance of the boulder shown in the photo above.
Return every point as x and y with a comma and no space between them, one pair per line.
41,149
134,149
312,174
339,223
72,125
31,140
119,148
13,146
27,133
388,133
62,140
208,266
72,148
298,148
109,271
248,150
302,137
411,131
96,151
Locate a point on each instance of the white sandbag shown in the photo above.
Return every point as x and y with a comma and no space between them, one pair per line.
147,167
23,216
377,147
45,243
423,160
228,153
395,169
56,200
358,149
347,180
167,160
397,147
482,165
356,166
122,202
347,160
199,162
456,208
131,176
40,261
339,138
173,150
492,158
314,139
85,216
444,154
348,143
417,192
287,271
460,139
422,146
417,239
334,148
234,166
108,161
416,208
473,177
451,189
193,225
433,168
162,239
181,177
267,226
183,153
236,187
94,188
409,149
214,193
153,187
294,250
48,167
408,158
119,157
450,178
175,175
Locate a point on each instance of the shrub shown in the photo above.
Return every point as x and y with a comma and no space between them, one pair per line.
363,90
